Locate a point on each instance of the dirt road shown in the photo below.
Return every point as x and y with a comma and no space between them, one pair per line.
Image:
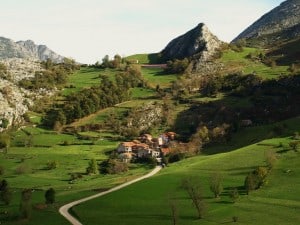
64,210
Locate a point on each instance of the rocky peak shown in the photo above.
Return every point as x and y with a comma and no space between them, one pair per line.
198,41
26,50
281,22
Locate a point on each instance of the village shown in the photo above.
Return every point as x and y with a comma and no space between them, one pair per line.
146,146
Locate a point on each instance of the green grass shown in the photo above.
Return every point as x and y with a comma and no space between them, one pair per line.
26,167
146,202
238,61
86,77
156,76
144,58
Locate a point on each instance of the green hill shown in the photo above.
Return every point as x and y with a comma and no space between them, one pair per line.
276,202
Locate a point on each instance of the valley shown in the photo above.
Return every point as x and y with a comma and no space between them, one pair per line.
222,120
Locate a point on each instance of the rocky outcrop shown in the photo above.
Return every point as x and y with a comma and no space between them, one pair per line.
283,22
198,41
26,50
14,100
144,117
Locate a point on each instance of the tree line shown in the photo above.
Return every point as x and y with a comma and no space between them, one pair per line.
90,100
53,75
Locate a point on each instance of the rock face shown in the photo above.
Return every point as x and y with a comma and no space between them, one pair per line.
14,100
198,41
26,50
283,22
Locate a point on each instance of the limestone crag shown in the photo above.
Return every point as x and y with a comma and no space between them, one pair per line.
14,100
281,22
26,50
196,41
145,116
20,68
199,45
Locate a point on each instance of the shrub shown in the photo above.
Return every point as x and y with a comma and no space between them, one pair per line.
92,167
294,145
175,157
234,195
50,196
215,184
25,204
113,166
270,159
255,179
2,170
22,169
52,165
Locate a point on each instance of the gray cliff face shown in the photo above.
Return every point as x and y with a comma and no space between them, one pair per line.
283,22
26,50
198,41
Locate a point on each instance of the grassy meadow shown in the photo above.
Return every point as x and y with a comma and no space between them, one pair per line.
239,62
277,202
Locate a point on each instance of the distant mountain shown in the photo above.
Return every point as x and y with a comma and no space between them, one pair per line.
280,24
26,50
198,41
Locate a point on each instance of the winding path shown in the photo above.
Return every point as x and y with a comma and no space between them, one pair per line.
64,210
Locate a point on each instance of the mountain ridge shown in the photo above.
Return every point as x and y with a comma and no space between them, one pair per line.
282,22
27,50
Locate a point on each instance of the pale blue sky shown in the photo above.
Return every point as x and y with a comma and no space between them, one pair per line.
86,30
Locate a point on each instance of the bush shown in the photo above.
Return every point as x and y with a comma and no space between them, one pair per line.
2,170
113,166
255,179
52,165
23,169
176,157
92,167
50,196
294,145
234,195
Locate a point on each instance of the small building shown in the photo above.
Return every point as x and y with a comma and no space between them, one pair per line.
125,147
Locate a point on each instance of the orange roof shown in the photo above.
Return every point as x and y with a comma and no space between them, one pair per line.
128,144
165,151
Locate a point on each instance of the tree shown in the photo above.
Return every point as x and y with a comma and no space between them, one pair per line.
174,211
234,194
92,167
194,189
215,184
270,159
294,145
50,196
4,142
5,192
250,183
25,204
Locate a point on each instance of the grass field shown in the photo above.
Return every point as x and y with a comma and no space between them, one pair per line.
26,167
144,58
156,76
238,62
86,77
147,202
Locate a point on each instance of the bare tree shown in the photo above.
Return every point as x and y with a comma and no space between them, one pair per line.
174,211
215,184
194,190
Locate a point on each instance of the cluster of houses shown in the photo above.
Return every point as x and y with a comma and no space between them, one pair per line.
146,146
